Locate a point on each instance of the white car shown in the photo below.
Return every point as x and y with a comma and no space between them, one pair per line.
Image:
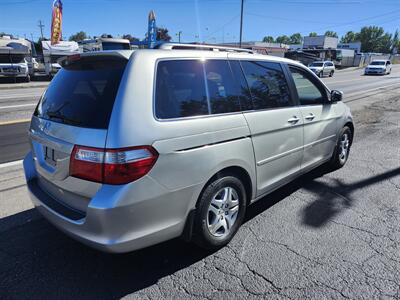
381,67
321,68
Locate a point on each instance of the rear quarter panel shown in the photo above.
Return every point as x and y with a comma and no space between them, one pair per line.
191,150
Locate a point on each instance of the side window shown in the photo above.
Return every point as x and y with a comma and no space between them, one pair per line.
244,92
267,84
222,89
186,88
308,92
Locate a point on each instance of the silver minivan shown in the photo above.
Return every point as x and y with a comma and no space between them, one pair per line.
132,148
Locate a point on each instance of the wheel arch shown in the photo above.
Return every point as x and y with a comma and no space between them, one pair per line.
238,172
351,126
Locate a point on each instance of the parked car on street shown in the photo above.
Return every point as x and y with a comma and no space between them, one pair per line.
132,148
321,68
381,67
13,64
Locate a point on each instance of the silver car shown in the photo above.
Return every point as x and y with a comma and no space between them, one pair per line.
132,148
322,68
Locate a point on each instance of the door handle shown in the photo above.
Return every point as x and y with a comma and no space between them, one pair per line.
310,117
293,120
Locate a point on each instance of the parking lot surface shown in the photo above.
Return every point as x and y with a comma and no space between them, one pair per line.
326,235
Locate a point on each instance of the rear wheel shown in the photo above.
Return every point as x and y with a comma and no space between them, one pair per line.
220,212
342,149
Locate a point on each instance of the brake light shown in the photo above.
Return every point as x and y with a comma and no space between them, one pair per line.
112,166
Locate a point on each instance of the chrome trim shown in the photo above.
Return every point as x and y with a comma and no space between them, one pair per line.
275,157
320,141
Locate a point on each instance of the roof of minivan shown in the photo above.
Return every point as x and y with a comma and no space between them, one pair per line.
181,53
175,53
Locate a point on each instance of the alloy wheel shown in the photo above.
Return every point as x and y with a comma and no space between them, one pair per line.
222,212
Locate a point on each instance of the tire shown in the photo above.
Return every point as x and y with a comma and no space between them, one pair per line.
342,149
28,78
331,73
215,224
320,74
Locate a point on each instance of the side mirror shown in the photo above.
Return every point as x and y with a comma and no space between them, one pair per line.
336,96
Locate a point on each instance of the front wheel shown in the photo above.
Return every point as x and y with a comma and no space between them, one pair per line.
331,73
321,74
220,212
342,149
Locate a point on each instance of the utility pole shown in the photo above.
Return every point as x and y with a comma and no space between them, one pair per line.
241,24
41,26
179,36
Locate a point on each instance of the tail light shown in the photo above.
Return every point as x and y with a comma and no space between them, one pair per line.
112,166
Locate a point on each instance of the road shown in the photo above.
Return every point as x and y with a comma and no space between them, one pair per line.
17,104
328,235
354,81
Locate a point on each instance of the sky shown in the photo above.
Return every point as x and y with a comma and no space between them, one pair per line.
201,20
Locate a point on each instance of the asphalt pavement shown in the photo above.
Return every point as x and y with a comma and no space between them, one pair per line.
328,235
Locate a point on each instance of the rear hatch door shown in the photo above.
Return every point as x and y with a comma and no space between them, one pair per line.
75,110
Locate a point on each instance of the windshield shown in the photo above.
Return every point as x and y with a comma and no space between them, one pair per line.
115,46
378,63
317,64
82,94
12,58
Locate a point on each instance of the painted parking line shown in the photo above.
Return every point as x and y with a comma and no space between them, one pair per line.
11,164
18,106
15,122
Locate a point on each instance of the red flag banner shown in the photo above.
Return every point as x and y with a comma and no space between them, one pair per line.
56,22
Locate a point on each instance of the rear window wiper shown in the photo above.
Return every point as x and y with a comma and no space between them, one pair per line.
62,118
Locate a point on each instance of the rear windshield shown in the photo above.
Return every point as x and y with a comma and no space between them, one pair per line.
83,93
115,46
317,64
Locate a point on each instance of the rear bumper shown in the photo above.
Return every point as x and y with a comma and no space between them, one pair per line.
119,218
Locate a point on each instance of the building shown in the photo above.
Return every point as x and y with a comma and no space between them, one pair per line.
320,42
275,49
356,46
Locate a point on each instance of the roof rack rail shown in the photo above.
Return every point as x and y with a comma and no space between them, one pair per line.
178,46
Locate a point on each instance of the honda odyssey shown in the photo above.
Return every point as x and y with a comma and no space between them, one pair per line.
132,148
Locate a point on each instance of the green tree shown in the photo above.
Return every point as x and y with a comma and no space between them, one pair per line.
350,37
130,38
296,38
79,36
313,34
106,35
162,34
283,39
374,39
331,34
268,39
